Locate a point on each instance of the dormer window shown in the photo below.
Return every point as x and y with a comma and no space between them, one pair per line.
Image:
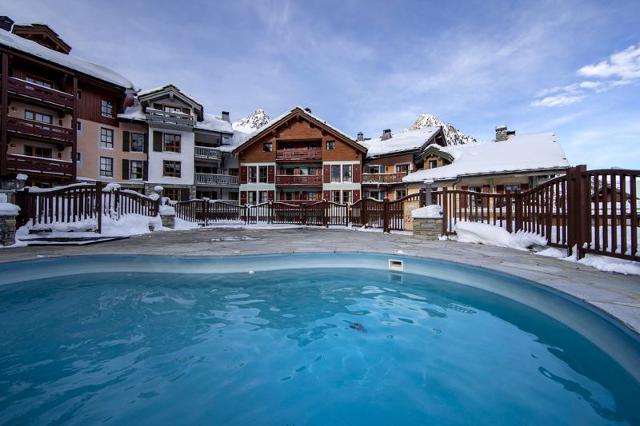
433,164
106,108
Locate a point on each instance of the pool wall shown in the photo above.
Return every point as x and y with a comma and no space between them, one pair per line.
613,337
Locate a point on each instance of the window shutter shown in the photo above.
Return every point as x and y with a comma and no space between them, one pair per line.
243,197
125,169
270,194
356,173
243,177
126,136
145,171
271,175
157,141
326,172
326,195
146,143
356,195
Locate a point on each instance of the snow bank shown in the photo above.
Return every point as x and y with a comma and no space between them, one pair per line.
8,209
428,212
601,263
482,233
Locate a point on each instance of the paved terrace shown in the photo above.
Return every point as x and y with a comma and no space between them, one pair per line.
616,294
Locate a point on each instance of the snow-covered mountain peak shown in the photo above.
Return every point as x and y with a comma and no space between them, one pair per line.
252,122
451,134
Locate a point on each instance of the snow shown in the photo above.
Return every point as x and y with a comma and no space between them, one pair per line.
427,212
482,233
167,210
214,123
70,61
601,263
519,154
22,177
158,188
253,122
126,225
111,186
8,209
452,135
406,140
134,112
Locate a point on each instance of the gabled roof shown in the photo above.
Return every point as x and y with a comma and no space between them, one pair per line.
171,91
438,151
523,153
213,123
402,142
299,112
45,32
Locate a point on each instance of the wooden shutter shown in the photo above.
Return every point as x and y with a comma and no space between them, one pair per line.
146,143
356,173
270,194
243,197
271,170
326,195
125,169
126,137
243,177
145,171
326,172
356,195
157,141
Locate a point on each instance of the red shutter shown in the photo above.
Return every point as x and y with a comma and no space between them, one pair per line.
326,195
243,178
326,172
356,196
356,173
271,171
243,196
270,193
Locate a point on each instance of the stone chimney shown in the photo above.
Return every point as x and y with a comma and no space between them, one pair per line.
225,116
503,133
386,134
360,137
6,23
308,110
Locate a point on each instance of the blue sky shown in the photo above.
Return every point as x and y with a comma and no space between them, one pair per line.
571,67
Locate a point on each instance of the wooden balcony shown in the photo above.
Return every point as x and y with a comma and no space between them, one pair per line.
211,179
299,154
207,153
39,131
36,166
169,119
299,180
52,97
383,177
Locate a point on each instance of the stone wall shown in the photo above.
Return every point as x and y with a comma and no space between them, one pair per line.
427,228
7,230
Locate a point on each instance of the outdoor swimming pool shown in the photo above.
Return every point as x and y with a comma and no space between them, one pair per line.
302,339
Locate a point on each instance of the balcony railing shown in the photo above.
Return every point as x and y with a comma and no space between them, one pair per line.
17,163
299,154
179,119
24,88
216,179
207,153
383,177
299,180
41,131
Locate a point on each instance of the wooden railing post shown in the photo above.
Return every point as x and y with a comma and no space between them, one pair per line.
509,211
445,211
385,215
99,205
582,209
324,212
519,208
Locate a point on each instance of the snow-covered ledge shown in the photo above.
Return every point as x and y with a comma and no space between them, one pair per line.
427,222
168,216
8,213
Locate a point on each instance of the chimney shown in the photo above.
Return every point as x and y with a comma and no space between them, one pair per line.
360,137
503,133
308,110
225,116
6,23
386,134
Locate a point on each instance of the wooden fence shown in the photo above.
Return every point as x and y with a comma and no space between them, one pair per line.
80,202
594,211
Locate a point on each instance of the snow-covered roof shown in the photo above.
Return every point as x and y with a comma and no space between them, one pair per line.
134,112
518,154
238,139
69,61
406,140
214,123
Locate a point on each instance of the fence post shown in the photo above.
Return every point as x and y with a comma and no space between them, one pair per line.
304,214
581,209
445,211
99,205
519,212
385,215
324,212
509,211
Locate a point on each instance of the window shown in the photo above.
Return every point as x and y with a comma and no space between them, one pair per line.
251,197
106,167
234,171
252,173
39,82
136,169
512,188
137,142
267,147
433,164
335,196
331,145
171,168
233,196
167,108
37,151
402,168
264,196
373,169
171,142
79,94
335,173
263,174
38,116
79,126
347,196
401,193
106,138
346,173
106,108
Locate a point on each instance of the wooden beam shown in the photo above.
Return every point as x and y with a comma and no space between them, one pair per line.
4,100
74,129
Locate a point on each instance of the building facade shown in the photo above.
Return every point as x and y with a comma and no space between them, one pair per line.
299,158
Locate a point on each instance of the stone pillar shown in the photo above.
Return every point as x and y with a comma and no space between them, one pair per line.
8,213
428,228
168,216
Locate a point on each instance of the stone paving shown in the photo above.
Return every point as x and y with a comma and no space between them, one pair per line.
616,294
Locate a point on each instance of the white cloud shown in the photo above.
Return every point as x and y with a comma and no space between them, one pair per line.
557,100
624,65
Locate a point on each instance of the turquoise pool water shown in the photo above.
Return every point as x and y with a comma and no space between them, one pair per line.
316,346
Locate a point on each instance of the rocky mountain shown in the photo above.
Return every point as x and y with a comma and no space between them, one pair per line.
252,122
451,134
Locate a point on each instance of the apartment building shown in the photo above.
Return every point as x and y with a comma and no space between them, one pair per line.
298,157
